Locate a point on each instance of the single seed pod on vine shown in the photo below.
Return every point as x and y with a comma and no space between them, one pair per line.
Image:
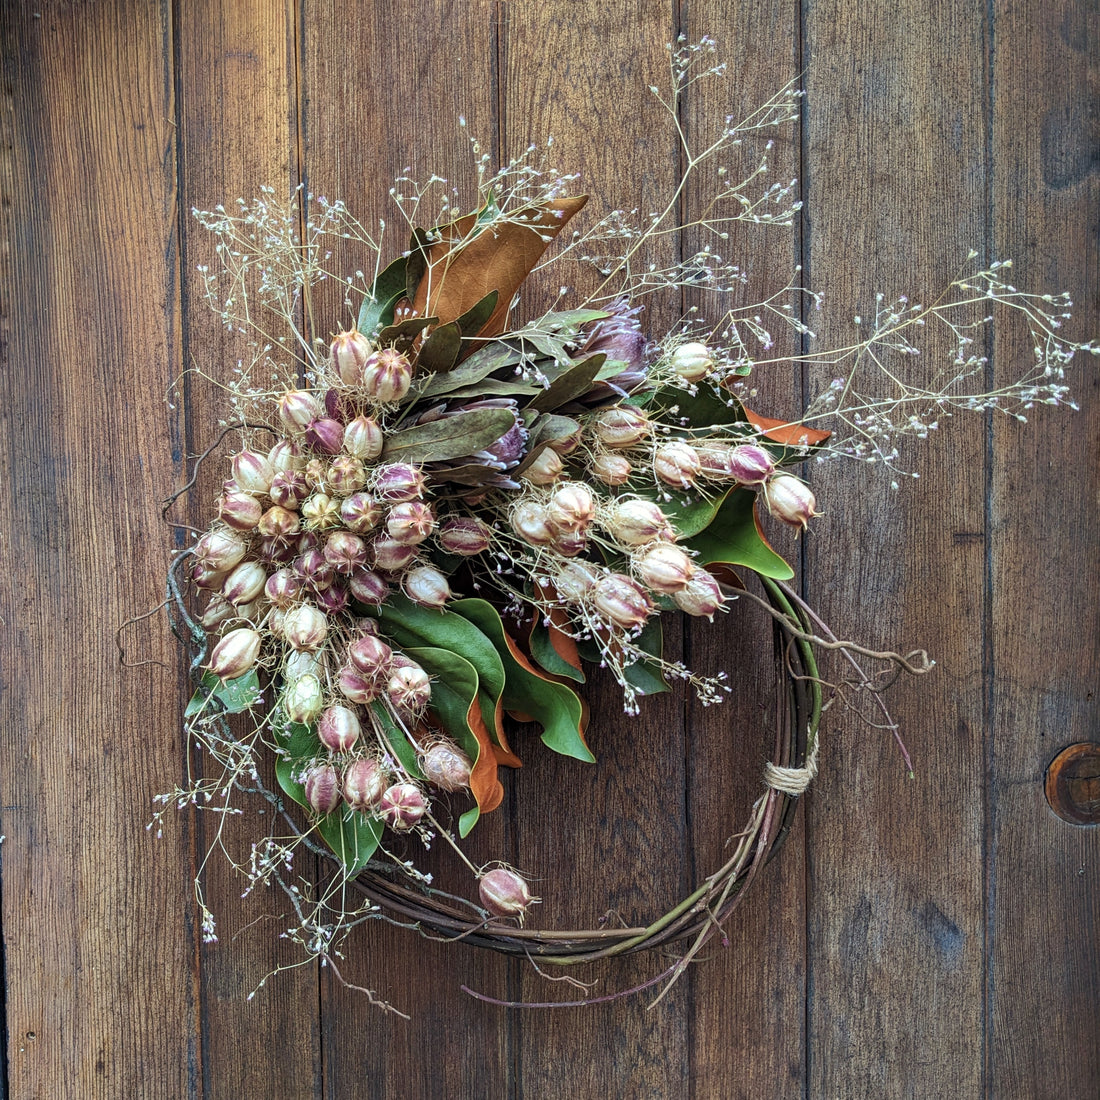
345,552
386,376
245,583
360,513
348,354
239,510
338,728
622,600
363,439
366,586
677,463
692,362
220,550
252,473
701,596
285,456
325,435
402,806
621,426
750,464
410,522
322,787
634,522
289,488
790,500
464,535
664,568
365,781
297,409
546,468
612,469
505,894
445,766
278,523
210,580
427,586
371,656
355,685
235,654
302,699
305,627
409,687
346,475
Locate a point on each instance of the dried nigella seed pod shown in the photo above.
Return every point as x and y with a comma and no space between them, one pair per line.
750,464
446,766
636,522
677,463
345,552
366,586
464,535
427,586
355,685
332,600
283,588
790,500
322,786
239,510
289,488
398,481
278,523
692,362
545,469
505,894
245,583
235,654
285,456
252,473
621,426
571,508
346,475
386,376
409,687
391,556
664,568
325,435
348,355
402,806
218,611
701,596
298,409
338,728
574,580
529,521
622,600
371,656
410,522
363,439
612,469
302,699
360,513
320,512
305,627
365,781
220,550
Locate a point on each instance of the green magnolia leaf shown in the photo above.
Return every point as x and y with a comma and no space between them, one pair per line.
545,655
377,308
454,689
402,335
573,382
733,538
473,369
473,320
439,352
704,409
396,740
468,820
554,706
452,437
231,696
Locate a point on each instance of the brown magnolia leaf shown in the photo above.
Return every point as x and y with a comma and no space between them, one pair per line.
465,265
785,432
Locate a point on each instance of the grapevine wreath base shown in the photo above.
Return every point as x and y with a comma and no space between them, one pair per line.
698,916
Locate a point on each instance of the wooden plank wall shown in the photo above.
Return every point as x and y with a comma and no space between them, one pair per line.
926,937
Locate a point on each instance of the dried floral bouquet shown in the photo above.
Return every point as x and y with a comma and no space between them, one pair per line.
440,517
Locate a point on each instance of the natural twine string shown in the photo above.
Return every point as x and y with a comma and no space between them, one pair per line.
793,781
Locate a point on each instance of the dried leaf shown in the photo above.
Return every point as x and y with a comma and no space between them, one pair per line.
452,437
786,432
466,263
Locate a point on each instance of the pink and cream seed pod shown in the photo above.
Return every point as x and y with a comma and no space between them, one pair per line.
571,508
391,556
365,781
363,439
278,523
612,469
297,409
409,687
239,510
348,355
305,627
218,611
235,654
634,522
220,550
750,464
386,376
701,596
677,463
546,468
371,656
446,766
368,587
664,568
320,512
346,475
410,522
302,699
345,552
245,583
790,500
692,362
334,599
252,472
505,894
398,481
402,806
621,426
574,580
621,600
289,488
355,685
285,456
427,586
361,513
465,536
206,578
338,728
322,788
316,571
283,588
325,435
529,521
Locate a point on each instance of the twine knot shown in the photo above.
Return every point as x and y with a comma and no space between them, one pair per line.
792,781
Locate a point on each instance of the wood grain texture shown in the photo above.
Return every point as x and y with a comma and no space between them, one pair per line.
895,138
236,68
925,937
97,943
1043,915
